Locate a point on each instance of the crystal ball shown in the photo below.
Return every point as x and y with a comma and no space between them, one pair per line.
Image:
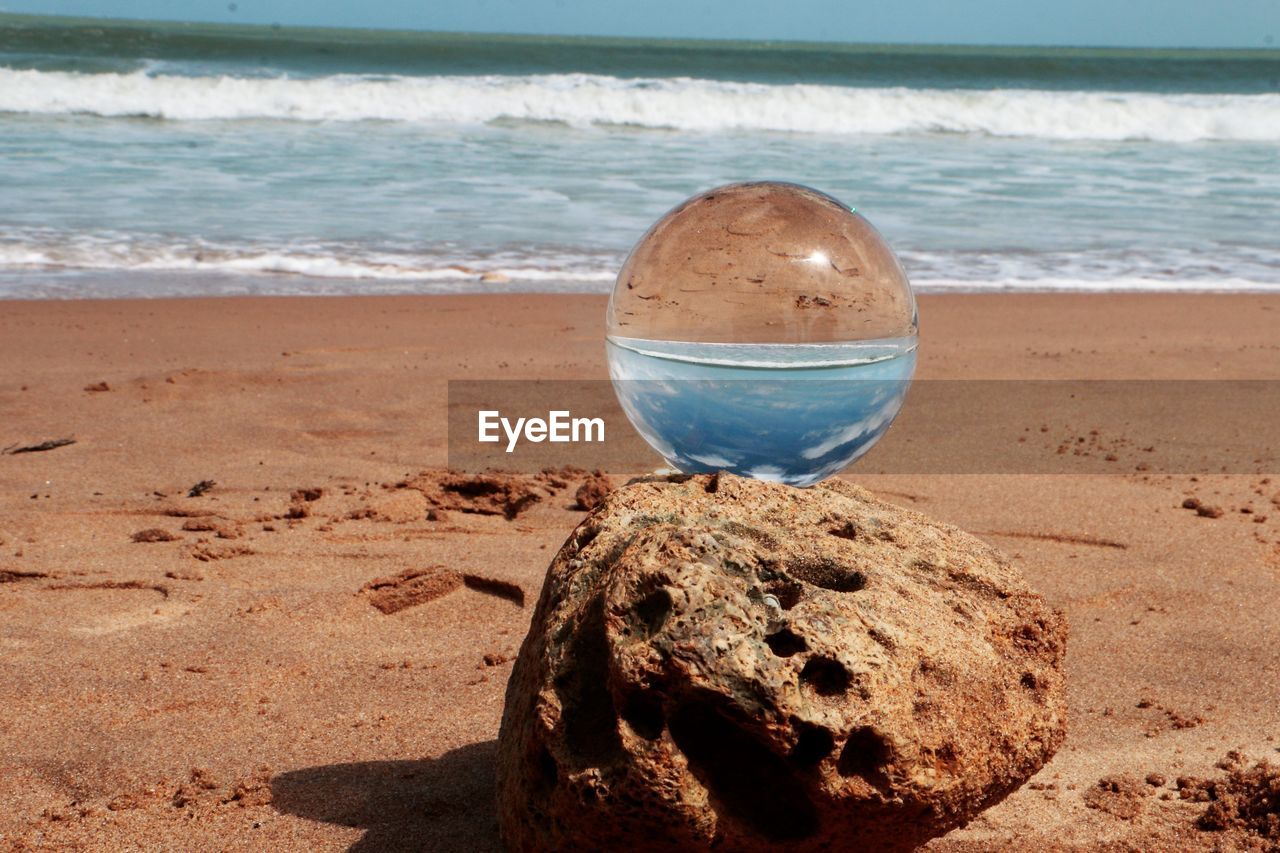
765,329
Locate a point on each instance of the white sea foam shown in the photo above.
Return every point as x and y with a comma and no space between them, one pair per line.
672,103
47,262
51,252
1125,284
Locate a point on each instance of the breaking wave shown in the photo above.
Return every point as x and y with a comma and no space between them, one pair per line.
584,100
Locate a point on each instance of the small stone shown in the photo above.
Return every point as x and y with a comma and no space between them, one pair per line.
710,665
593,491
154,534
221,528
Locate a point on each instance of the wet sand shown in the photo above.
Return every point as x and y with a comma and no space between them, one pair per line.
312,653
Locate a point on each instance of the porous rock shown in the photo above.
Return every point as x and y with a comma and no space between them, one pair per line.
717,661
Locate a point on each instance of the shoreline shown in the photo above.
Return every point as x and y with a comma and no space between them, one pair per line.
343,288
994,335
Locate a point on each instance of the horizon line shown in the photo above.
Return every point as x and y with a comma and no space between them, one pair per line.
277,27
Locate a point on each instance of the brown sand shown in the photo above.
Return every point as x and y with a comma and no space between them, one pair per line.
237,686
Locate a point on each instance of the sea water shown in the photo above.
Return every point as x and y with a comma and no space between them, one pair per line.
141,159
788,413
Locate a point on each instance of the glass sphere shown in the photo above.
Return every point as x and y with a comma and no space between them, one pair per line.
764,329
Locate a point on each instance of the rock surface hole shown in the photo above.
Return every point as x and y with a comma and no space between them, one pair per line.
746,781
864,755
785,643
825,676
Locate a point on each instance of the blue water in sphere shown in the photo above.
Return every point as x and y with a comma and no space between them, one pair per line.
788,413
764,329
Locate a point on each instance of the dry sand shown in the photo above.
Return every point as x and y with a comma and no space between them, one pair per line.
312,653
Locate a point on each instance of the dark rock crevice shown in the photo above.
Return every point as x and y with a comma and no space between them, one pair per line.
589,716
749,783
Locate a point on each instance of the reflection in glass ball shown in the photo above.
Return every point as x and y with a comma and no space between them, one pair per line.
764,329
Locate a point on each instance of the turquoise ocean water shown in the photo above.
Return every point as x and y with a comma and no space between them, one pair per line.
170,159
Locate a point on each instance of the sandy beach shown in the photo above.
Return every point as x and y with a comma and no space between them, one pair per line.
256,667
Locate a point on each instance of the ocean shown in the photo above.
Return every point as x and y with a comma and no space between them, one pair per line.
183,160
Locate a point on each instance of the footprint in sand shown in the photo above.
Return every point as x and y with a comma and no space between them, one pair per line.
95,608
418,586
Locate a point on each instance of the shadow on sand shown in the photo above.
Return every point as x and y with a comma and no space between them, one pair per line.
443,803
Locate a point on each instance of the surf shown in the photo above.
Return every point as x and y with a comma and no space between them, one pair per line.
680,104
